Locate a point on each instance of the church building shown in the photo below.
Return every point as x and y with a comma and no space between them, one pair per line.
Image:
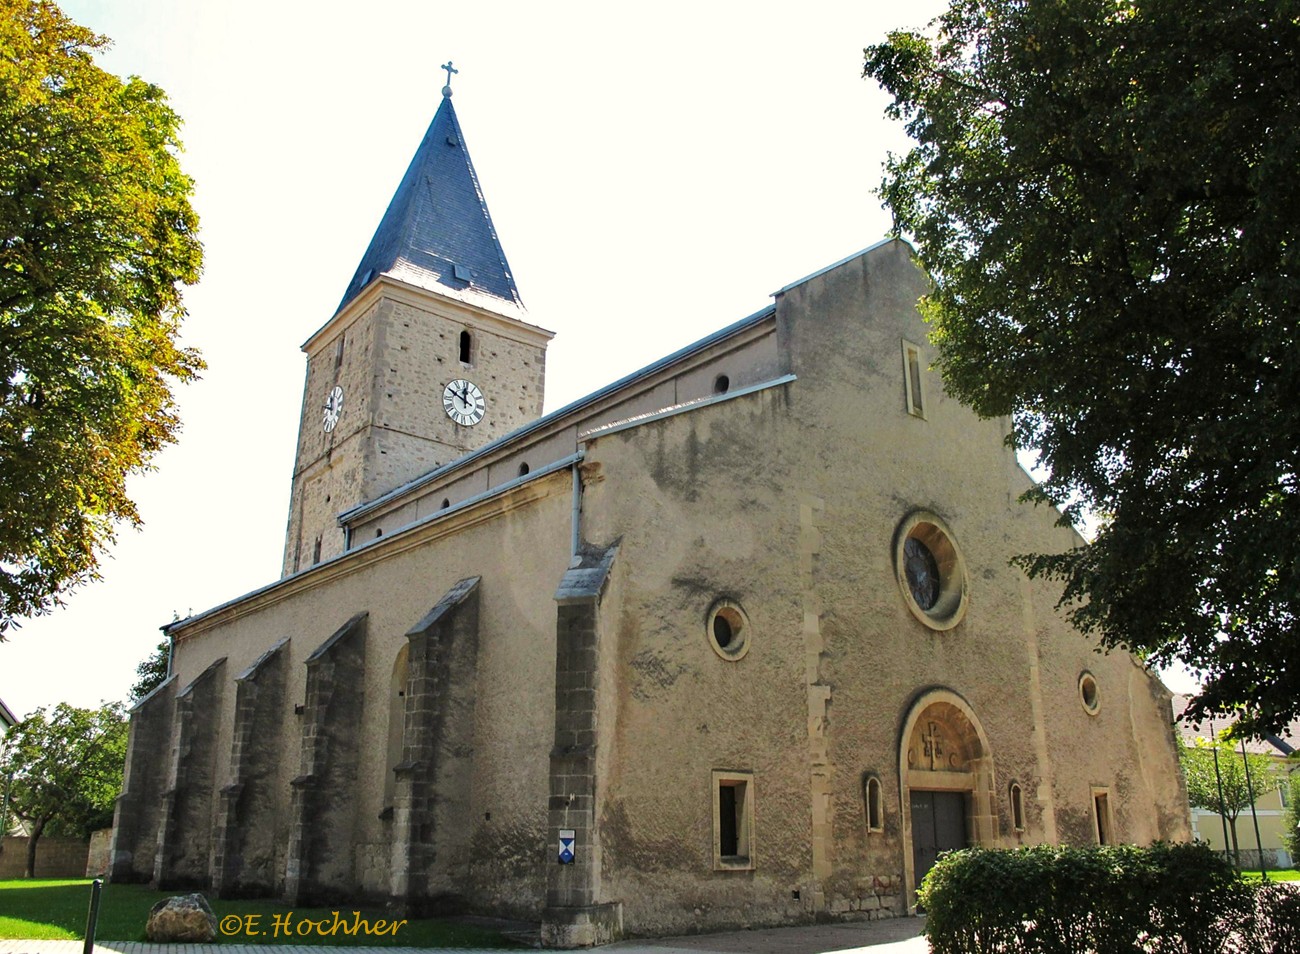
732,641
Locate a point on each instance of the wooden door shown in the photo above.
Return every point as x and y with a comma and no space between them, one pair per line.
938,825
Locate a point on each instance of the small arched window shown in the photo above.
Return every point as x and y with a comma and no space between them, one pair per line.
445,503
1017,807
874,803
466,347
523,468
721,384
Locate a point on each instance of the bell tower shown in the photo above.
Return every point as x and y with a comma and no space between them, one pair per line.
428,356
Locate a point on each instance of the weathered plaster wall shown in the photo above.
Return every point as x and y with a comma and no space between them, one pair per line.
789,502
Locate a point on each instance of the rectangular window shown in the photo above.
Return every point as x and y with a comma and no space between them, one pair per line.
912,379
1101,810
733,820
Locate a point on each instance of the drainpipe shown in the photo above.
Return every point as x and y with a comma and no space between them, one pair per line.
575,520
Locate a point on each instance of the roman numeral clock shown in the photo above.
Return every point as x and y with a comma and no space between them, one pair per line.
463,402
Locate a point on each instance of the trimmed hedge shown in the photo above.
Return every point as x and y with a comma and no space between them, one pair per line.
1055,900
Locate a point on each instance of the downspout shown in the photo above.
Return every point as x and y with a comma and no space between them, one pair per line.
575,518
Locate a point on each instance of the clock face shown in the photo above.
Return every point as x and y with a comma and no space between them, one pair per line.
333,408
463,402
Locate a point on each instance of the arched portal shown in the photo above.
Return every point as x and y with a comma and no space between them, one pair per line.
946,781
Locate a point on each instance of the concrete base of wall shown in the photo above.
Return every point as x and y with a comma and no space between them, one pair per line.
582,927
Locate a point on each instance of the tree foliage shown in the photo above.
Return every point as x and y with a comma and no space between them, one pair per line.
96,236
66,768
1291,822
1105,193
152,671
1223,780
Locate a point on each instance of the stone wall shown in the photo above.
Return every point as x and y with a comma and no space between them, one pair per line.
101,846
55,857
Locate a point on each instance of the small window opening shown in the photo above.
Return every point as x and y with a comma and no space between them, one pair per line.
728,824
1017,808
912,379
466,347
727,629
721,384
523,468
315,552
338,353
733,819
874,804
445,504
1088,694
722,631
379,531
1101,808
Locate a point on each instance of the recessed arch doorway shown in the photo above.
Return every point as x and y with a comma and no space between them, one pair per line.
946,783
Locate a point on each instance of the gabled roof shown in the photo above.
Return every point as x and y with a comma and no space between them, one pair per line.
437,233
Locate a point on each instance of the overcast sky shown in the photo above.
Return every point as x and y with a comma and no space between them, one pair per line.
654,173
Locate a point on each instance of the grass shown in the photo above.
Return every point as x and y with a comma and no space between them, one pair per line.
1289,874
56,910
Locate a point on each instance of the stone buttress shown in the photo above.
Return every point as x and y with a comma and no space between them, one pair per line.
576,913
431,809
323,804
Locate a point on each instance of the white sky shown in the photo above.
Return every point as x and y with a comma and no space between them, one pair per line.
654,173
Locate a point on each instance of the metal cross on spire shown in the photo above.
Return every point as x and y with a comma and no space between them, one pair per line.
446,90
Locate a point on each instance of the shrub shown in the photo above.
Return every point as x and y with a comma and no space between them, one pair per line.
1058,900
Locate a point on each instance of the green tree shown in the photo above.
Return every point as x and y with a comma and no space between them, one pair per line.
152,671
1291,836
1217,781
66,770
1105,195
96,236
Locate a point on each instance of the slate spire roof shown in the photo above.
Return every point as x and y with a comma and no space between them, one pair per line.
437,233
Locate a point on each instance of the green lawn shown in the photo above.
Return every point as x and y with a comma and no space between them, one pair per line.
1290,874
56,910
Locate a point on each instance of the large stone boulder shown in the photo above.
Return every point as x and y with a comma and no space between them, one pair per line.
187,917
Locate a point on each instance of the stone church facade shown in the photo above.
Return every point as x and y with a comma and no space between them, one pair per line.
731,641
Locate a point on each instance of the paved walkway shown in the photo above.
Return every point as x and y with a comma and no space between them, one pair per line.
893,936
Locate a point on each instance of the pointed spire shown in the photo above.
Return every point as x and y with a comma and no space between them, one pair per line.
437,233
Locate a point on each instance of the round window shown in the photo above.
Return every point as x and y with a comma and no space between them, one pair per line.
1088,693
930,570
728,630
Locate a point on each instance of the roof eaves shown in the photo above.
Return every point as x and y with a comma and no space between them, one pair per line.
834,265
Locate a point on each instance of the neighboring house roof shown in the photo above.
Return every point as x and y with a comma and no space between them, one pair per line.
7,717
437,233
1280,745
